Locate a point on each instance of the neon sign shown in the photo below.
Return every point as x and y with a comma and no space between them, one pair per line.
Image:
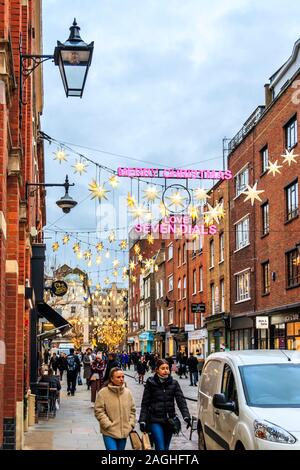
176,225
173,173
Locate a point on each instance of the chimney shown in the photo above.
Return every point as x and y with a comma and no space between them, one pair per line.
268,95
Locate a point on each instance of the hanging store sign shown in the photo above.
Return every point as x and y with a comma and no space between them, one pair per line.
198,308
262,323
173,173
59,288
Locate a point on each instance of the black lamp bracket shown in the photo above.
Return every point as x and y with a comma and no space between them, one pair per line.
66,185
30,62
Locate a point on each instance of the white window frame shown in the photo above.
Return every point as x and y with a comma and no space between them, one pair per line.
184,254
170,251
184,288
240,296
221,247
194,282
161,283
170,316
222,295
245,239
170,281
157,290
212,253
212,299
239,185
201,279
179,289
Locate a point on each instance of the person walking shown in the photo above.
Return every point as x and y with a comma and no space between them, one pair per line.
158,406
87,360
53,364
141,368
182,365
96,377
62,364
73,367
115,410
170,361
111,363
192,364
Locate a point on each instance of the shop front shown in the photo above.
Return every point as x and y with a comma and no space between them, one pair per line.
242,334
217,331
284,331
170,344
146,342
181,340
197,340
159,345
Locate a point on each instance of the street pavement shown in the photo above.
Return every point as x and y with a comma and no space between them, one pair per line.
76,428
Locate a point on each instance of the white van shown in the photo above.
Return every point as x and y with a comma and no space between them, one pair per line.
250,400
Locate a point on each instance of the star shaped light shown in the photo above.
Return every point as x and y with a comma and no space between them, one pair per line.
193,212
76,247
131,265
55,246
176,199
123,244
98,259
140,258
201,194
80,167
87,254
112,237
115,273
137,249
60,156
163,210
148,263
213,214
151,193
106,281
289,157
274,168
142,271
138,212
130,200
97,191
99,246
133,279
66,239
116,263
124,270
156,268
113,181
150,239
252,193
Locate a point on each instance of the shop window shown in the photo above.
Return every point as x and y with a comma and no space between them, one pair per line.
293,329
279,336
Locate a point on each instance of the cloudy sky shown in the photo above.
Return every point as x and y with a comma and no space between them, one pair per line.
169,79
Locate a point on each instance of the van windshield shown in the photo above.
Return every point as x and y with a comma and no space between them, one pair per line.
272,385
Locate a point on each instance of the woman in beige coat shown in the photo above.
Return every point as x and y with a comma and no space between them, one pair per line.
115,411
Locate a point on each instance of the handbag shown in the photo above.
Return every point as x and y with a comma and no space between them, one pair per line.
95,376
174,424
79,380
136,442
146,444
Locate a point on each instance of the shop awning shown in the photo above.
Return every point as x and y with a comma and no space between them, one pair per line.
53,317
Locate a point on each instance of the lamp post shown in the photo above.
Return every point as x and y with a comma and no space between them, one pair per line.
66,203
73,58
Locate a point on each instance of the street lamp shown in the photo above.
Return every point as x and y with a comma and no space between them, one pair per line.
66,203
73,57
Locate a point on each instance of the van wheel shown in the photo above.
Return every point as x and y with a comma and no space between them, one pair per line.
201,439
239,446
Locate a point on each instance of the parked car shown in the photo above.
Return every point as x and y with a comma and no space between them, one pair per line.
250,400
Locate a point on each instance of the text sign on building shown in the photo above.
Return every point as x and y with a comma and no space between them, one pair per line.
189,327
262,323
59,288
174,329
198,308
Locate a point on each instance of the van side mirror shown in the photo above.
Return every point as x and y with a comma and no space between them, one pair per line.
219,401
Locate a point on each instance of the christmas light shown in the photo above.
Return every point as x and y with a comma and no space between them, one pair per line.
113,181
97,191
290,157
200,194
66,239
99,246
137,249
151,193
252,194
55,246
112,237
123,244
80,167
130,200
274,168
150,239
60,156
176,199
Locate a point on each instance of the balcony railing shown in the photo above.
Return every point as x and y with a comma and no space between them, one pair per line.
249,124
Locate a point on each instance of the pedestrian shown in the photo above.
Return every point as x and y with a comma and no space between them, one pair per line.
182,365
115,411
170,361
46,356
87,360
192,364
200,359
73,367
96,377
62,364
141,369
158,406
53,364
111,363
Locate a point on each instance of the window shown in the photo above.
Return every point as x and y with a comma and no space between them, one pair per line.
264,157
170,315
291,192
158,317
157,289
222,295
243,286
179,289
201,279
293,268
184,254
170,251
162,319
229,388
212,253
184,316
221,247
242,233
194,245
200,242
291,133
170,283
184,287
266,278
161,282
73,309
194,282
179,256
265,218
212,299
241,181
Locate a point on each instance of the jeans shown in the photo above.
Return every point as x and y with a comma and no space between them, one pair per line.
161,435
114,444
194,377
71,380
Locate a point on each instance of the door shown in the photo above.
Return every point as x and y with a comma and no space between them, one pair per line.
226,421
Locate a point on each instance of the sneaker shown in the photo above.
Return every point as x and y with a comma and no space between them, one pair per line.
69,393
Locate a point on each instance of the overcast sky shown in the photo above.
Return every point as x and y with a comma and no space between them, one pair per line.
169,79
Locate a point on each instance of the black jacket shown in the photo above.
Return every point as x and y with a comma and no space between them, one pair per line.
192,364
158,402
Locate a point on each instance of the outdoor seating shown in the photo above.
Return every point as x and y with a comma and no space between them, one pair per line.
43,399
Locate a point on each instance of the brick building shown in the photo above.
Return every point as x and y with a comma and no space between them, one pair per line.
21,161
264,246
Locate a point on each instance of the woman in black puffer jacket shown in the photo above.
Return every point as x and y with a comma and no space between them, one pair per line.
158,405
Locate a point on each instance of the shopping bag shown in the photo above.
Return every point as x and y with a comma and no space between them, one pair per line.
79,380
146,444
136,442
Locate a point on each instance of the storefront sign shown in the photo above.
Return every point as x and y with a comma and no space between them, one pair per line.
198,308
161,329
194,335
262,323
174,329
135,324
189,327
59,288
130,340
277,319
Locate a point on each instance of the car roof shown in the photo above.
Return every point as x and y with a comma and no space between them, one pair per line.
261,356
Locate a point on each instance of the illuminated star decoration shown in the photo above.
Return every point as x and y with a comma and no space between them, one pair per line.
142,271
66,239
124,270
106,281
112,237
273,168
213,214
55,246
97,191
163,210
107,254
99,246
150,239
193,212
201,194
123,244
76,247
113,181
130,200
79,254
151,193
87,254
80,167
131,265
176,199
252,193
137,249
60,156
138,212
155,268
148,216
289,157
148,263
140,258
115,273
98,259
133,279
116,263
